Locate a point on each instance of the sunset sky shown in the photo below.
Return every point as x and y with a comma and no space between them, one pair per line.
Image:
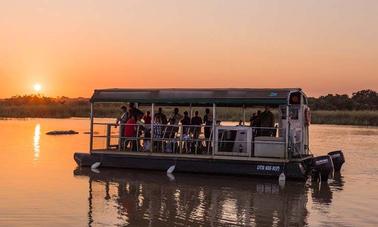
71,47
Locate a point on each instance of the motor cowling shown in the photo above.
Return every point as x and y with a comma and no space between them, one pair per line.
337,159
322,167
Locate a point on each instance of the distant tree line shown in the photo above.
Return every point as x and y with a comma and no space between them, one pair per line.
42,100
361,100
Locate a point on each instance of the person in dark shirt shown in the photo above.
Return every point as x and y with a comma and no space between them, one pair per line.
196,121
185,121
256,124
133,111
174,120
161,116
267,122
252,119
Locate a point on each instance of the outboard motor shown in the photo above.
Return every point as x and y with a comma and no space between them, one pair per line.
322,166
337,159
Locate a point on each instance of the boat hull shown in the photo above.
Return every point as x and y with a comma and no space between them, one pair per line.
297,170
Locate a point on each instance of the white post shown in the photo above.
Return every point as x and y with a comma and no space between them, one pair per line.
243,115
214,136
287,133
191,111
91,129
152,125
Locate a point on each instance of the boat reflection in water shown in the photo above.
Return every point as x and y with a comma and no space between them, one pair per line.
141,198
322,193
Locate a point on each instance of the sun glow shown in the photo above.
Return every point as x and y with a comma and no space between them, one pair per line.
37,87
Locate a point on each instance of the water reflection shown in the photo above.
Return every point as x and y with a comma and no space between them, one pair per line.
322,193
130,197
36,139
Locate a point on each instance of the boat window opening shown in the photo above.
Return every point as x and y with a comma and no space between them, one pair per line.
232,138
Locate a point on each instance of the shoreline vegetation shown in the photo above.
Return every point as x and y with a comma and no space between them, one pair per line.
359,109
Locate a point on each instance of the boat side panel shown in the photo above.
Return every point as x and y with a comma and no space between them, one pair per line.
209,166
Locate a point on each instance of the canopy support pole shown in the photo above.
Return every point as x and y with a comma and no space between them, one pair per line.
214,136
91,130
287,133
243,115
191,111
152,125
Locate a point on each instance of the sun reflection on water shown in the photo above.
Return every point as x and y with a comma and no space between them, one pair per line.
36,138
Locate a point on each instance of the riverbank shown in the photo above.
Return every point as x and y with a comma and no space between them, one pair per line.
364,118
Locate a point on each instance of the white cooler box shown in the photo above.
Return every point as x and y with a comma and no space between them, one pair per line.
269,147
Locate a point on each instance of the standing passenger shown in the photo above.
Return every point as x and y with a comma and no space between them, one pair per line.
158,129
196,122
161,116
131,133
174,121
185,122
121,121
257,124
252,119
267,122
208,120
147,130
147,118
133,111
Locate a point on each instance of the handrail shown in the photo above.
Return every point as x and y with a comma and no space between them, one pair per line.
181,125
191,140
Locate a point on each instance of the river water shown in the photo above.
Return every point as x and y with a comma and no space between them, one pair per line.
41,186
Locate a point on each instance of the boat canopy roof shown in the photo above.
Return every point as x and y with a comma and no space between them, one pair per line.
197,97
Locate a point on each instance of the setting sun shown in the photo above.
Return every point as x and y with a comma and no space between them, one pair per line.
37,87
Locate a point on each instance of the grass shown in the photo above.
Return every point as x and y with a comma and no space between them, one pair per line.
366,118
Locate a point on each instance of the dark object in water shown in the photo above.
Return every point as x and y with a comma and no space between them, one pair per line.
322,167
88,133
337,159
68,132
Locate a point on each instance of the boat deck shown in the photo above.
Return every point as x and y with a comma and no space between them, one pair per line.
199,156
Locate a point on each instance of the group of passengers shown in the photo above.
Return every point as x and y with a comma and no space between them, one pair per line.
263,123
133,123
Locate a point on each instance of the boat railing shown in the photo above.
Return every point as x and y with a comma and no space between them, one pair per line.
189,139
